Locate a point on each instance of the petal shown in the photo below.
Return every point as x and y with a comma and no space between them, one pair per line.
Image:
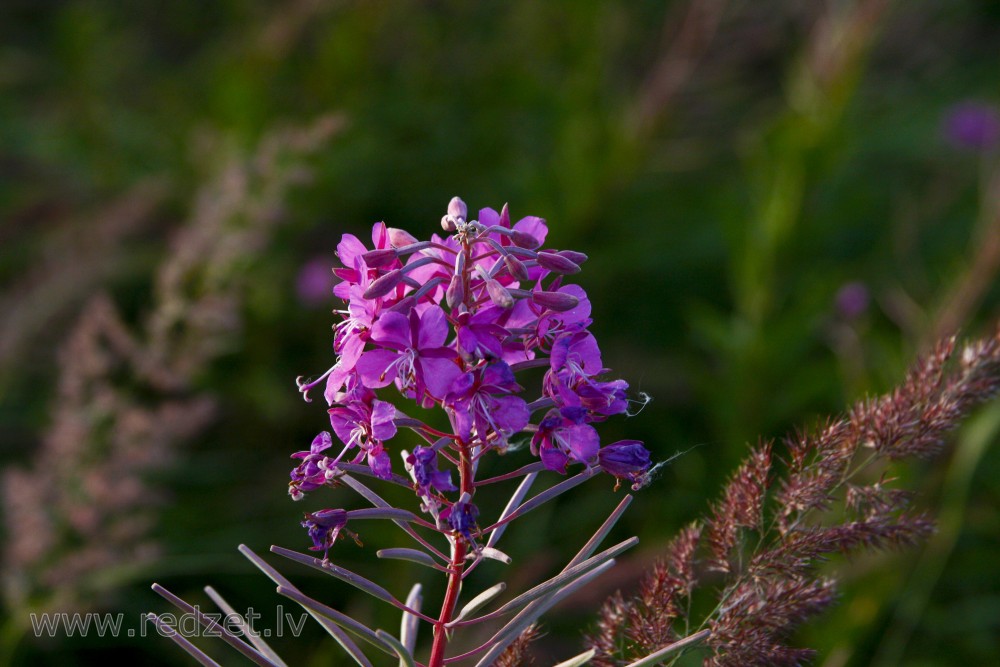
344,421
582,441
553,459
335,382
321,442
510,413
349,249
438,374
533,225
461,420
374,368
499,374
582,310
489,217
433,329
351,348
383,414
392,330
378,461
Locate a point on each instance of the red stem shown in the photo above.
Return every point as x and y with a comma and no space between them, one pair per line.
467,485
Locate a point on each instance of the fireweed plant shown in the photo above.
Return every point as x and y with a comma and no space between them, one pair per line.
450,322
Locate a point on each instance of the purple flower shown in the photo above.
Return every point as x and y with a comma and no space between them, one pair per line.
481,405
423,465
314,282
972,126
461,518
563,436
412,354
356,271
479,336
314,470
325,527
627,459
852,300
366,424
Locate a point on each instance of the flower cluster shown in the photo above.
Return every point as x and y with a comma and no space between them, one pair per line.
450,322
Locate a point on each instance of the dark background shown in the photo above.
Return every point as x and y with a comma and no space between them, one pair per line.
783,203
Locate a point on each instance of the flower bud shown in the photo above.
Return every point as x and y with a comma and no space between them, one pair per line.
457,209
524,240
383,284
574,256
499,294
399,237
455,294
556,263
377,258
515,267
448,223
558,301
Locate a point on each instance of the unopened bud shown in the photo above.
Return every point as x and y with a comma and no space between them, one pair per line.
400,237
574,256
558,301
515,267
457,209
499,294
524,240
377,258
383,284
556,263
455,294
448,223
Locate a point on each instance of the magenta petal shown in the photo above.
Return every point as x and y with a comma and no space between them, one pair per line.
579,348
383,413
438,375
344,421
499,374
380,236
351,350
350,248
510,413
553,459
489,217
533,225
321,442
374,368
581,311
433,328
461,420
335,382
392,330
583,442
378,461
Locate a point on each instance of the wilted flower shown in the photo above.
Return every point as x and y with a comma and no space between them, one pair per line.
625,459
325,527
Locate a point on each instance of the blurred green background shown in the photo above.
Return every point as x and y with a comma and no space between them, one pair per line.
783,203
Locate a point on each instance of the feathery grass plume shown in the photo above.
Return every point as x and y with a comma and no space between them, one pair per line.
517,654
80,253
768,546
79,517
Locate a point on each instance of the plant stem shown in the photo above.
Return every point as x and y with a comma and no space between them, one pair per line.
458,551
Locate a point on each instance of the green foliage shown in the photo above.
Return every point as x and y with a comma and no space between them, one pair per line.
800,151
